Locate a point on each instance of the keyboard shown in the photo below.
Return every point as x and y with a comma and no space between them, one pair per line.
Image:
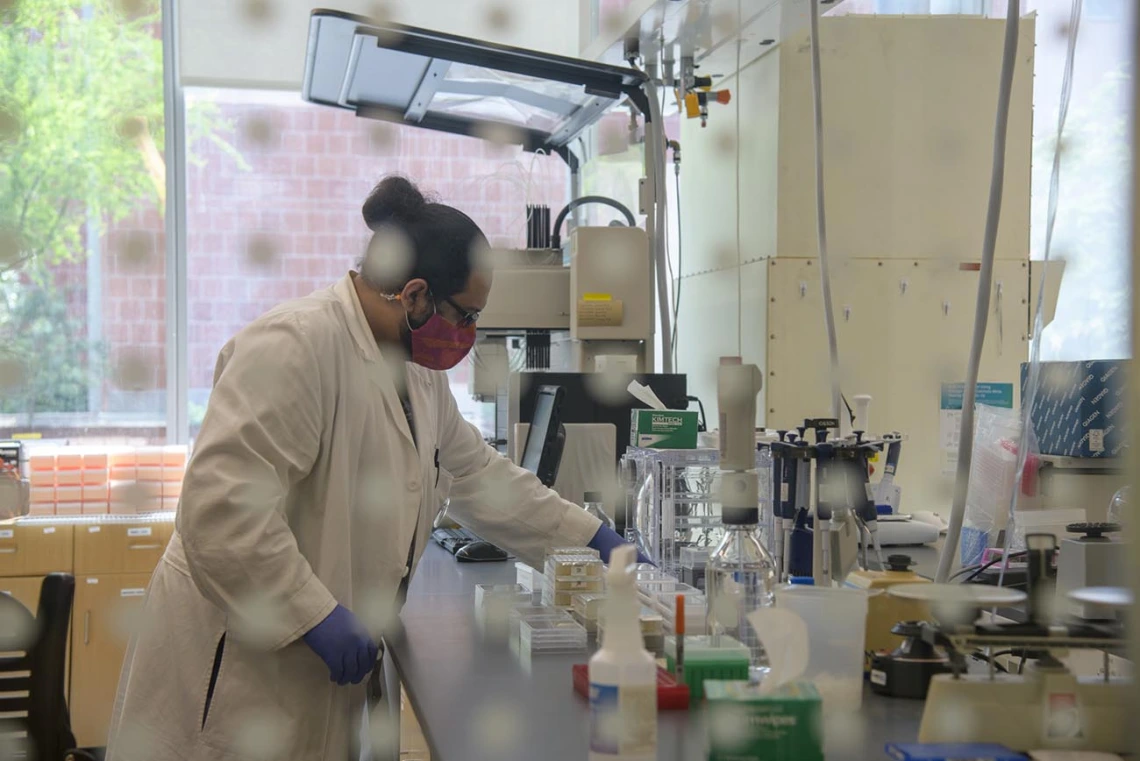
453,539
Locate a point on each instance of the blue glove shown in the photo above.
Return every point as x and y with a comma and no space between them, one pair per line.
344,645
606,540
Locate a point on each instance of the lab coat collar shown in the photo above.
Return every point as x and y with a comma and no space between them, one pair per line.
381,370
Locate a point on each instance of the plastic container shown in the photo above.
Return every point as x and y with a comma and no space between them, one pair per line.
546,635
836,621
522,613
586,608
696,609
693,565
589,551
569,574
524,575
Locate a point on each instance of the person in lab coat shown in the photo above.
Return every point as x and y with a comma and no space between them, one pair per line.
310,497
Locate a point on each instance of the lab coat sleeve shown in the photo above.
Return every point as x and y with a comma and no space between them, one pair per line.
500,501
260,435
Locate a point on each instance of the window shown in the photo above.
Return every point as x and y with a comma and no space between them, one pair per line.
274,207
82,183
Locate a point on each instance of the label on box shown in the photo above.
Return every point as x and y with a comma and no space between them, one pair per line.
879,677
1063,717
49,530
139,531
663,429
1096,439
132,592
6,533
600,314
92,581
950,415
94,529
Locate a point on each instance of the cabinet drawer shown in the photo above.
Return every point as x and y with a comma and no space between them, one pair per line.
120,547
35,549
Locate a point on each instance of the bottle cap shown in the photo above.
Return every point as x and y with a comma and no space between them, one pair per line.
806,581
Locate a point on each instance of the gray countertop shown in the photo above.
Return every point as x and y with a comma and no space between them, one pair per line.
476,699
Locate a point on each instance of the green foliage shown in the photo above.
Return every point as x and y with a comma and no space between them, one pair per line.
47,346
81,81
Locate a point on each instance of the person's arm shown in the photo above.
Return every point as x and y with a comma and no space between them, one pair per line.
500,501
260,436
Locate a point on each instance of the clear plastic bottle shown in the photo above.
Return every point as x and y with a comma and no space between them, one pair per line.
1120,508
593,503
741,578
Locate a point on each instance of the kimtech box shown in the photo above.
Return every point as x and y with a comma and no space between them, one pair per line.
663,429
1080,407
781,725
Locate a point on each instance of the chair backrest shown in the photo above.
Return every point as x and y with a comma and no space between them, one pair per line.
32,667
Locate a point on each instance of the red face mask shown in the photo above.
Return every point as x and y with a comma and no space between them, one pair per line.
439,345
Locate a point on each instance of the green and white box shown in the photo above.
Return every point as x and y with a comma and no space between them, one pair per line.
663,429
746,724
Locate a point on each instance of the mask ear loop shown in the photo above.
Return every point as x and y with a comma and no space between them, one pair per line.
407,315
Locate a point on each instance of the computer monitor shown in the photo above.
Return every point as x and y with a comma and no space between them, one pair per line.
546,437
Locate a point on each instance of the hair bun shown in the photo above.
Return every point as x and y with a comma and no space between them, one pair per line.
396,200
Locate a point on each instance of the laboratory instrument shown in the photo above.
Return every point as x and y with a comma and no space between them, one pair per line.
906,671
623,675
1045,706
1094,559
885,611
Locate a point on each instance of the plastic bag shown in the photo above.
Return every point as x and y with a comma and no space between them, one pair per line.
993,473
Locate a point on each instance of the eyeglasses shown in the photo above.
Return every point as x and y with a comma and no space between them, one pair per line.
467,318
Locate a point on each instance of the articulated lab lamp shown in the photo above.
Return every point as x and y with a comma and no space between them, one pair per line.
1043,707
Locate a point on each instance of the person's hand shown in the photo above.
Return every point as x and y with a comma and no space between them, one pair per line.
344,645
606,540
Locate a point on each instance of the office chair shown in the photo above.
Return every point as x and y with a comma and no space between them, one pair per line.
36,675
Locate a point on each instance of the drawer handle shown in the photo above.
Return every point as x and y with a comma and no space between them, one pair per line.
86,626
7,550
144,547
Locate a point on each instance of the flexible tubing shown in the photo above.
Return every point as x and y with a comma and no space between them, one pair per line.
556,236
821,215
655,142
985,283
1033,377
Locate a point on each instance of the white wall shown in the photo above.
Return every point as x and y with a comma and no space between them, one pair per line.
222,46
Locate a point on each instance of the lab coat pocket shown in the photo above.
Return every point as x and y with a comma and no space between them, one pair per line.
215,672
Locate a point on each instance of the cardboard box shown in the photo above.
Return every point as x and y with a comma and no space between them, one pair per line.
1080,408
663,429
783,725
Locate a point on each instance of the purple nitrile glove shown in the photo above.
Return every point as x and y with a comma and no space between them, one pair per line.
606,540
344,645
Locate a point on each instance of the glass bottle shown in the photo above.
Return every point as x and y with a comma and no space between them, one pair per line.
594,504
741,578
1120,508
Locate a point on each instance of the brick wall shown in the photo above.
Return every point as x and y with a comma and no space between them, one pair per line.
298,196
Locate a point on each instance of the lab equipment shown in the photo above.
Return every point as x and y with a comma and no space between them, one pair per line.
885,611
695,612
1095,559
652,626
747,723
672,695
741,578
546,437
726,659
594,505
585,607
532,612
493,606
480,552
835,619
694,563
906,671
623,676
547,635
566,575
1044,707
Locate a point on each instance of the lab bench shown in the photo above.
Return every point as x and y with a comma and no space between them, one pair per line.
476,699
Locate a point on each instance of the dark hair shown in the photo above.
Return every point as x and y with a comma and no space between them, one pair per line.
444,241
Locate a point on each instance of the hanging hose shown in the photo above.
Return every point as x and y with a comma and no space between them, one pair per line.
1033,377
655,142
985,283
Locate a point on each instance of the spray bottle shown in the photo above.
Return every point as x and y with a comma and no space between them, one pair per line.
623,675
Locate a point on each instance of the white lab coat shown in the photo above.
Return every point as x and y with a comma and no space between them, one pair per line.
305,489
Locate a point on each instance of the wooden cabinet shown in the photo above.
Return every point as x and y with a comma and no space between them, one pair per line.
120,547
25,589
35,549
107,606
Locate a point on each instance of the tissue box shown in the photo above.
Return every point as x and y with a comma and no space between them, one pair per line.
783,725
1079,410
663,429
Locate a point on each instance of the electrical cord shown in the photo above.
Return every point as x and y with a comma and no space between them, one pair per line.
821,213
655,142
980,569
556,236
985,284
677,290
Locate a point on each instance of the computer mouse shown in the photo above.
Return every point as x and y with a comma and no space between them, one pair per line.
480,552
